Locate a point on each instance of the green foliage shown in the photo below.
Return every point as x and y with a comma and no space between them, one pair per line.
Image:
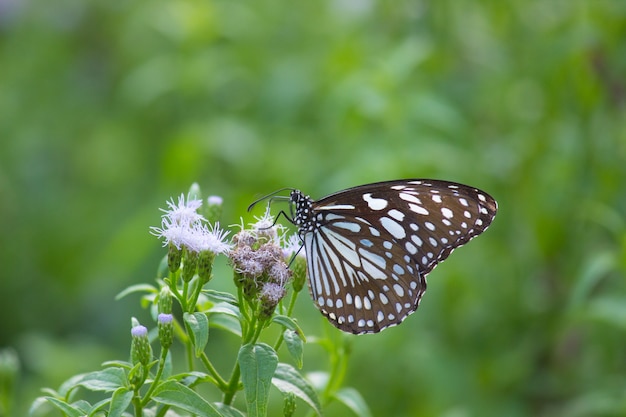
108,106
148,387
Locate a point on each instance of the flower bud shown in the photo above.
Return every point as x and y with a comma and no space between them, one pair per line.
190,265
290,404
298,267
166,330
194,192
270,296
174,256
205,266
214,208
165,300
140,350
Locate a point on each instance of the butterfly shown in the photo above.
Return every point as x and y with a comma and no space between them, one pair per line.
370,247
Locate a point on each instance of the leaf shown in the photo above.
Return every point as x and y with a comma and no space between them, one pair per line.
288,379
136,288
67,409
228,323
609,309
197,325
258,363
225,308
294,346
228,411
120,401
107,380
221,297
290,324
177,395
70,384
352,399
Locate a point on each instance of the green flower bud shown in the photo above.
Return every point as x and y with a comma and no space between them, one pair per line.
205,266
166,330
290,404
140,350
194,192
214,209
165,300
190,265
174,256
299,273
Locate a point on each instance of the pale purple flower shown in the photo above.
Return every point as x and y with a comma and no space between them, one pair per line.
164,318
272,293
214,200
293,246
266,226
183,213
139,331
213,239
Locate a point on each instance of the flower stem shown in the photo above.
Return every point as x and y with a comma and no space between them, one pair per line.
155,382
292,304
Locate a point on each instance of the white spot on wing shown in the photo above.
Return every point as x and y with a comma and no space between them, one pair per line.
393,227
375,203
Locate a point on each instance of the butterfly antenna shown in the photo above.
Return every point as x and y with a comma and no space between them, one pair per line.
271,197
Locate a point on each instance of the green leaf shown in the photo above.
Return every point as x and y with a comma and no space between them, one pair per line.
220,297
197,325
67,409
228,411
120,401
107,380
258,363
225,308
352,399
290,324
288,379
227,317
294,346
609,309
177,395
136,288
70,384
226,322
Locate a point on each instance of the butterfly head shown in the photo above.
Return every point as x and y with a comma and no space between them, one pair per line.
302,212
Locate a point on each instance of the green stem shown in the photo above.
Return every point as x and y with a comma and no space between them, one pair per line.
221,382
233,385
189,349
184,296
249,332
292,304
155,382
137,404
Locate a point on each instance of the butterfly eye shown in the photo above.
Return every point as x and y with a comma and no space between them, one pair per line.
369,248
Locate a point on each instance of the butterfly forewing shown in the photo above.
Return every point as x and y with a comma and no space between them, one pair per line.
370,247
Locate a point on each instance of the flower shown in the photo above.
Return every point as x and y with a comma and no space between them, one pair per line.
293,246
214,208
140,350
179,222
266,227
185,212
213,239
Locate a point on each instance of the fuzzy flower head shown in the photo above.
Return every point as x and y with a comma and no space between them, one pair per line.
212,238
184,213
266,228
179,223
292,246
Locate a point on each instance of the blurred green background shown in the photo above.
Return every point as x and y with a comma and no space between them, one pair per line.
109,108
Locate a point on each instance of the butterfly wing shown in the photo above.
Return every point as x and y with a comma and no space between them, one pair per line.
373,245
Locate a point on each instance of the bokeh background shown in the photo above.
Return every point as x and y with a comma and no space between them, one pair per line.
109,108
